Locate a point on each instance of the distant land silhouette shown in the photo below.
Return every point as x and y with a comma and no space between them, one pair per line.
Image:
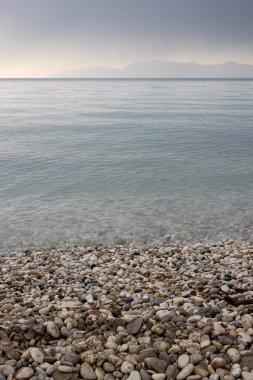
164,69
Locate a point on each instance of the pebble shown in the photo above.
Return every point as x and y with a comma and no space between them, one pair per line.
135,326
158,376
200,371
234,355
72,357
53,330
134,375
87,372
235,370
218,363
247,375
158,365
24,373
195,358
138,313
185,372
37,355
144,375
126,367
183,360
225,289
205,341
247,360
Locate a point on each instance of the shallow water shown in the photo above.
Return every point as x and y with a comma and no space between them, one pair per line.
125,160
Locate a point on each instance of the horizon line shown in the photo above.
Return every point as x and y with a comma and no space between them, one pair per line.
127,78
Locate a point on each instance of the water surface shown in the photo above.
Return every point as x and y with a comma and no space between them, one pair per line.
125,160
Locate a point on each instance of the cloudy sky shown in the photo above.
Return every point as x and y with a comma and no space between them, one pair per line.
43,37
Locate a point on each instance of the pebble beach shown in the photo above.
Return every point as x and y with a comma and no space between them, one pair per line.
130,313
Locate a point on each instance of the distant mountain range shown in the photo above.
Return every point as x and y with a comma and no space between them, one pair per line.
164,69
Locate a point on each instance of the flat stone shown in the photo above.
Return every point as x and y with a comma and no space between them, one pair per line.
234,355
185,372
68,304
36,354
218,328
226,339
195,358
208,312
65,369
247,321
100,373
24,373
159,365
165,315
7,370
158,376
53,330
201,371
134,326
50,369
225,289
87,372
244,338
194,318
214,376
134,375
108,367
183,360
126,367
144,375
72,357
235,370
57,375
247,361
247,375
212,348
205,341
171,371
144,355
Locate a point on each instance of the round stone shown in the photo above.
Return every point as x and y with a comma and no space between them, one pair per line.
183,360
126,367
234,355
53,330
205,341
87,372
24,373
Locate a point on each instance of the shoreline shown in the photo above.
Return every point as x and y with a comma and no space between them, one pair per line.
124,312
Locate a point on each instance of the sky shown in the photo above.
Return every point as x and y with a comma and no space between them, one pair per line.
42,37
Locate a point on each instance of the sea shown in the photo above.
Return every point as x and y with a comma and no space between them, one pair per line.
142,161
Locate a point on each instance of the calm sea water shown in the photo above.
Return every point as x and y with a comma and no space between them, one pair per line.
125,160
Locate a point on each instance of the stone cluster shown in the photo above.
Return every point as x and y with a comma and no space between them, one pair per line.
146,313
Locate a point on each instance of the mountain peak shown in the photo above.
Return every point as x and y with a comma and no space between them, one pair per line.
164,69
